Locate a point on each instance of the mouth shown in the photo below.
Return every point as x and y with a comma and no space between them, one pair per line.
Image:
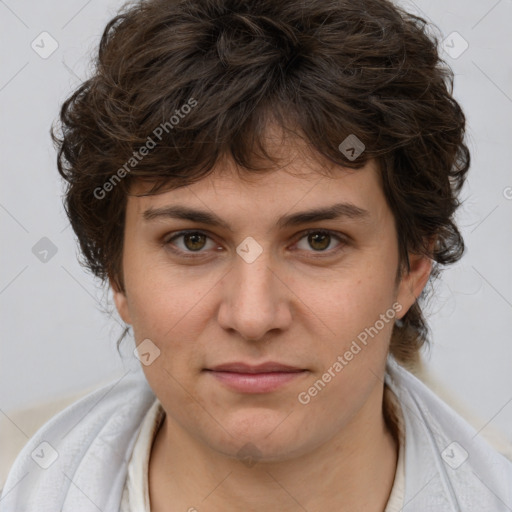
262,378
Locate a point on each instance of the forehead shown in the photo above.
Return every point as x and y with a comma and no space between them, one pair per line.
284,197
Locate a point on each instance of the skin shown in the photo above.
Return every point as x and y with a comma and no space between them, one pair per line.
294,304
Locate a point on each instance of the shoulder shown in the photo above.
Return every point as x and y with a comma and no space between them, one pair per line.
448,465
84,448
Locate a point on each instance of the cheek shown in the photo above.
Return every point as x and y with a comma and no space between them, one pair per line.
351,300
162,298
355,347
169,310
360,315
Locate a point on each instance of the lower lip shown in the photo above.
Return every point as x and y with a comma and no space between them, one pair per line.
255,382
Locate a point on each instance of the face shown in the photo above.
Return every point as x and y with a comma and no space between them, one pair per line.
232,270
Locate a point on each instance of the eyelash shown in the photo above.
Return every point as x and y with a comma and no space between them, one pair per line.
167,242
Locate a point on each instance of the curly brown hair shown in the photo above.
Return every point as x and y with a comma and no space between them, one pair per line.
323,69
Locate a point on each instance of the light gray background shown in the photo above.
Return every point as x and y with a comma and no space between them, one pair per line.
55,339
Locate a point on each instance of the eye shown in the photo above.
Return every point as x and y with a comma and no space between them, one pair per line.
190,242
186,243
320,241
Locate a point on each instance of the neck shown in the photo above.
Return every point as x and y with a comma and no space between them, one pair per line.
352,471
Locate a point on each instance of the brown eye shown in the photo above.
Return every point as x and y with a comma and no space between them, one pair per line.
194,241
189,242
319,241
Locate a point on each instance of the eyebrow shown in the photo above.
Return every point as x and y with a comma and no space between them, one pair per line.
335,211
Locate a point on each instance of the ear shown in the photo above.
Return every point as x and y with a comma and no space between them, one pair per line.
121,302
411,285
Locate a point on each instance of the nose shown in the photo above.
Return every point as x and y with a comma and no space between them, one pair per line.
255,301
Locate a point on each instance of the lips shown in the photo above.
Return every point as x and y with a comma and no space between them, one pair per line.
269,367
262,378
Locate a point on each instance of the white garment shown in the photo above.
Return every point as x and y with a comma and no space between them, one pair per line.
136,491
448,466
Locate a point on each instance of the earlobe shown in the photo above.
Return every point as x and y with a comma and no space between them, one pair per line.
121,302
412,284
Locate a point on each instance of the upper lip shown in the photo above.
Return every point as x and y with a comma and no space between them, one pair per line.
239,367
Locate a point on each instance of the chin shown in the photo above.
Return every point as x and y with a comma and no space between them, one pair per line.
261,444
